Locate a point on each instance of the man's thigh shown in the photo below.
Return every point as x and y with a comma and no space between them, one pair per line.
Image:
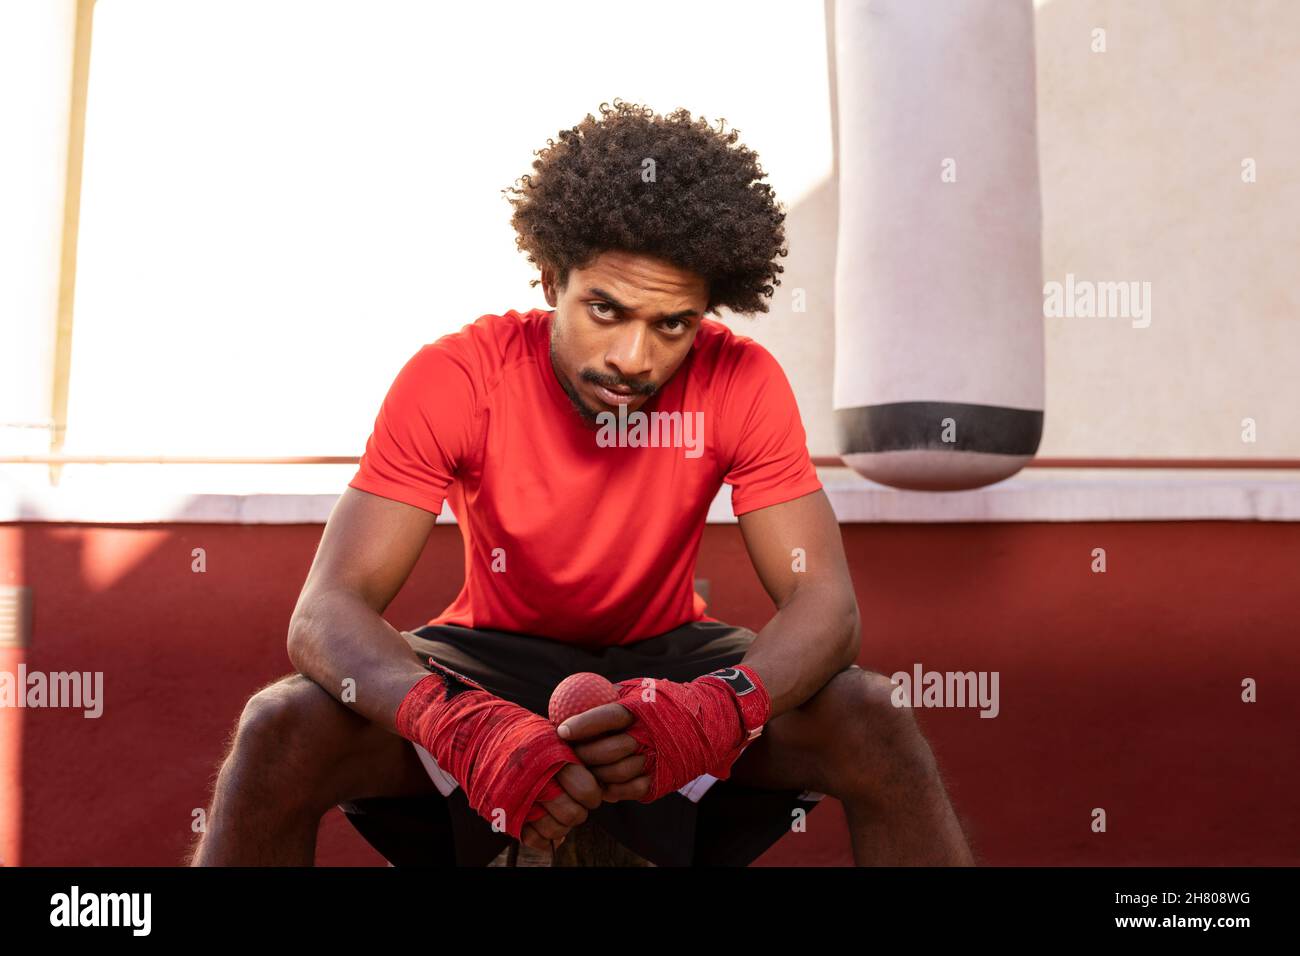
724,823
334,749
790,754
786,757
438,827
519,668
736,823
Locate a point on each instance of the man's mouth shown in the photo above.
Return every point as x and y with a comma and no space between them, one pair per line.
619,395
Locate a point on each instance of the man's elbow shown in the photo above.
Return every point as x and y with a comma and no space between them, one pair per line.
853,632
300,641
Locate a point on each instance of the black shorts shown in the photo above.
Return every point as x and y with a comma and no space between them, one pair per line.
709,823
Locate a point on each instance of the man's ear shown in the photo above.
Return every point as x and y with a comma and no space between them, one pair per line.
548,285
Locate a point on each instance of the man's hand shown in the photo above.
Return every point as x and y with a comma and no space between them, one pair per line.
671,732
581,793
610,756
509,761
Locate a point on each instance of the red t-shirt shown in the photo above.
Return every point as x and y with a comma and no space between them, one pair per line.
563,538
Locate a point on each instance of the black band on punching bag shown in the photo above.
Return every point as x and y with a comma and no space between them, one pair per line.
908,426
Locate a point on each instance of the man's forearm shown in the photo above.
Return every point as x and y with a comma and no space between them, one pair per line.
336,638
806,643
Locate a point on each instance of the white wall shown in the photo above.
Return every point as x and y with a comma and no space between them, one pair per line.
282,201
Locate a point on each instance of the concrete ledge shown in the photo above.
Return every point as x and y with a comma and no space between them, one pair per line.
1067,495
1033,495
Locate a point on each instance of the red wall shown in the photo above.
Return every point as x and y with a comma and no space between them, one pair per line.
1118,690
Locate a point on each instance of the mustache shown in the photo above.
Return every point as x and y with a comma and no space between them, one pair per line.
637,388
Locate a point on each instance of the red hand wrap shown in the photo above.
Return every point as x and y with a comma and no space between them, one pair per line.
504,756
684,730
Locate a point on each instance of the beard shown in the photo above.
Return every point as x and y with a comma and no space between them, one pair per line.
586,415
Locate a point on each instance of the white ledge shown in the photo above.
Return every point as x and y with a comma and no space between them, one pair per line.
1034,495
1097,495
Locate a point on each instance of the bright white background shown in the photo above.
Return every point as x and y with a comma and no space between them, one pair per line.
283,201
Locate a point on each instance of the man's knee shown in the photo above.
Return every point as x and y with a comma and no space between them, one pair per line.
307,750
279,710
292,726
869,739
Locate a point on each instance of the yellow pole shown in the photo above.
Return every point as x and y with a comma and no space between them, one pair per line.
71,218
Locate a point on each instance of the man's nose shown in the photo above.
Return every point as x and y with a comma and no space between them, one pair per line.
630,353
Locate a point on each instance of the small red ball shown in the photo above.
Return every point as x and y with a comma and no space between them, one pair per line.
578,693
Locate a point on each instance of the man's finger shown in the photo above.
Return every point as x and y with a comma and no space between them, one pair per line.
598,720
549,828
634,789
625,770
530,838
566,809
580,785
605,750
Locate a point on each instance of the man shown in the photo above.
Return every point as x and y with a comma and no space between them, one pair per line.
581,533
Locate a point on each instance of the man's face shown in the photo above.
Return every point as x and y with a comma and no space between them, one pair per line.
622,327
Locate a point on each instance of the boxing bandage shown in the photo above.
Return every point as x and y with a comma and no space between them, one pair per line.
504,757
685,730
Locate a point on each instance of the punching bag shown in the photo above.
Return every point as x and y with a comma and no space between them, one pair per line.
938,278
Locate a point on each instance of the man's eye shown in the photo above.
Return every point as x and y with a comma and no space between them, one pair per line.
679,325
602,305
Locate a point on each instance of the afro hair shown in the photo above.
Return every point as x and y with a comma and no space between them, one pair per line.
668,186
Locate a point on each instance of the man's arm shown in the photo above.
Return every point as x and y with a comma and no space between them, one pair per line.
336,632
816,631
814,634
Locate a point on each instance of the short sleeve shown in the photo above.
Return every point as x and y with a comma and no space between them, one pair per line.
424,431
769,461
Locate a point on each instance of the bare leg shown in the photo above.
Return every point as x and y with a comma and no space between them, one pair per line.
296,753
914,825
849,740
